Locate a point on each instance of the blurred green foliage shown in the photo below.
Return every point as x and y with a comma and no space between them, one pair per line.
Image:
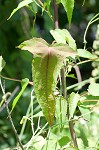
18,63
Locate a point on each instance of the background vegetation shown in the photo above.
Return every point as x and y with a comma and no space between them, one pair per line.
18,63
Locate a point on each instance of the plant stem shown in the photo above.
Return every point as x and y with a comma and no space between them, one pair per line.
73,134
56,25
11,79
9,99
78,73
71,125
82,83
9,116
63,79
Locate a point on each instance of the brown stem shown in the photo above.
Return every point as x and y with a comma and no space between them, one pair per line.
11,79
78,73
73,134
56,25
63,79
71,127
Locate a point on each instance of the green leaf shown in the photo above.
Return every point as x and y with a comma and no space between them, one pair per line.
52,142
89,100
63,141
83,135
71,76
21,4
93,89
46,65
61,107
63,36
85,112
86,54
24,84
68,6
73,100
2,63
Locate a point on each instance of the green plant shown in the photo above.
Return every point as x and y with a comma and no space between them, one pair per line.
52,64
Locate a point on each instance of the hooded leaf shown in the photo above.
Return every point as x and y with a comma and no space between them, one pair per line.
45,68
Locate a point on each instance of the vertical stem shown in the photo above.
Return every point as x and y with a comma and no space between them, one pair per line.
56,25
73,134
71,125
63,79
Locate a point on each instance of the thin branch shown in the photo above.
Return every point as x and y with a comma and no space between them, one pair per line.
81,83
9,116
10,98
12,79
73,134
40,2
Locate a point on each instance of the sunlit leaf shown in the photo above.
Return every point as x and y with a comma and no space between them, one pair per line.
2,63
73,100
71,76
86,54
85,112
63,141
21,4
89,100
63,36
68,6
61,108
46,65
83,135
24,84
93,89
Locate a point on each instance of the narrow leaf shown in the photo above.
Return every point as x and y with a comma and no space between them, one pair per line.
46,65
24,84
89,100
83,135
2,63
21,4
93,89
68,6
86,54
63,36
85,112
73,100
61,107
